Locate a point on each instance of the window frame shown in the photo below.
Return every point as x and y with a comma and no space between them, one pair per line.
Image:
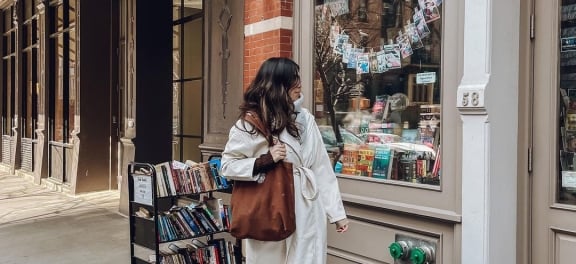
8,71
61,91
30,69
440,202
182,139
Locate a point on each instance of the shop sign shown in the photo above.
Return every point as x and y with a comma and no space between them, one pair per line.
425,77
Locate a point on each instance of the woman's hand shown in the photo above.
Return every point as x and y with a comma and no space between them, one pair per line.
342,225
278,151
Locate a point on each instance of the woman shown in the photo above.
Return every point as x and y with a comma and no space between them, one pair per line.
275,95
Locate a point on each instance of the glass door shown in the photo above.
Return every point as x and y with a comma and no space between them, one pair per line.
187,55
554,127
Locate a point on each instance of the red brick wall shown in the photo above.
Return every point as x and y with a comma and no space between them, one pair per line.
274,43
258,10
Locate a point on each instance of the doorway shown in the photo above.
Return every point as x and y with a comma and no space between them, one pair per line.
553,186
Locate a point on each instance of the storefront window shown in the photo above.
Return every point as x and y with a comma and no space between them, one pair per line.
62,52
567,109
8,70
30,70
377,87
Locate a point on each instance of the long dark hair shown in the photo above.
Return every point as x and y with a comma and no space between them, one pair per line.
268,96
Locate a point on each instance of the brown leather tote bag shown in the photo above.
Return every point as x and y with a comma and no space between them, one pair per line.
264,211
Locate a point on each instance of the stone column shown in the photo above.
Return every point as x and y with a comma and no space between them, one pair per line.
40,153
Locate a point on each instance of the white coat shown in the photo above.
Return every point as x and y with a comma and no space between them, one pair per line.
317,195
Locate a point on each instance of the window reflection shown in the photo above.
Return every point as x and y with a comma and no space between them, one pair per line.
377,87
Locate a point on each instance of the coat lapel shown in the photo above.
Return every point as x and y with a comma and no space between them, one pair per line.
293,142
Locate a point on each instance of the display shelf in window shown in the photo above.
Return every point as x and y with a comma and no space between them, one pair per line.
168,223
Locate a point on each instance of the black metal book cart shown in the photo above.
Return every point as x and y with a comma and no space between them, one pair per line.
163,231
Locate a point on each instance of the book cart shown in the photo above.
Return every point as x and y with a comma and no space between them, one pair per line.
164,231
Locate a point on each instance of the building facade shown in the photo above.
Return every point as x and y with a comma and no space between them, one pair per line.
450,123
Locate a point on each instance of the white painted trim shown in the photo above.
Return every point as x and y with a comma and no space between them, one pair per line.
489,131
302,47
272,24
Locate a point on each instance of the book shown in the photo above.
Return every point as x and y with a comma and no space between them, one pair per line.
160,182
180,231
215,165
349,159
393,171
175,178
365,160
210,217
161,234
208,177
188,218
194,185
177,212
437,164
164,172
231,252
220,246
382,162
216,208
226,219
196,220
199,178
204,222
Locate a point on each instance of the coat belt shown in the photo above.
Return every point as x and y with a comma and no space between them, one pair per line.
308,186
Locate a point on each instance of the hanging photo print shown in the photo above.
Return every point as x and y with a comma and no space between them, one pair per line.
392,54
362,63
352,59
420,23
412,34
334,33
381,58
430,10
373,62
341,40
337,7
404,41
347,52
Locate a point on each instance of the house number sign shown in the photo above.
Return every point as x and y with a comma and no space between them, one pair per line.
470,98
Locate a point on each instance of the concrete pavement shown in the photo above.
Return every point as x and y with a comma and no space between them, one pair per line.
38,225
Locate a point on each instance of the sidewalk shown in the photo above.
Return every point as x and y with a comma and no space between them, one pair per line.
38,225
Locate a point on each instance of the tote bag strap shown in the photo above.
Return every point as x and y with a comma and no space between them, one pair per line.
255,121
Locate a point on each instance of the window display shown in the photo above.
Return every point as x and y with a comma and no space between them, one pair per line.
377,87
567,114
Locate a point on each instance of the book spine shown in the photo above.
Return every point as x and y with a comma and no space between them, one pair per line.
184,223
215,209
197,221
174,175
209,217
190,221
202,219
160,183
167,181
